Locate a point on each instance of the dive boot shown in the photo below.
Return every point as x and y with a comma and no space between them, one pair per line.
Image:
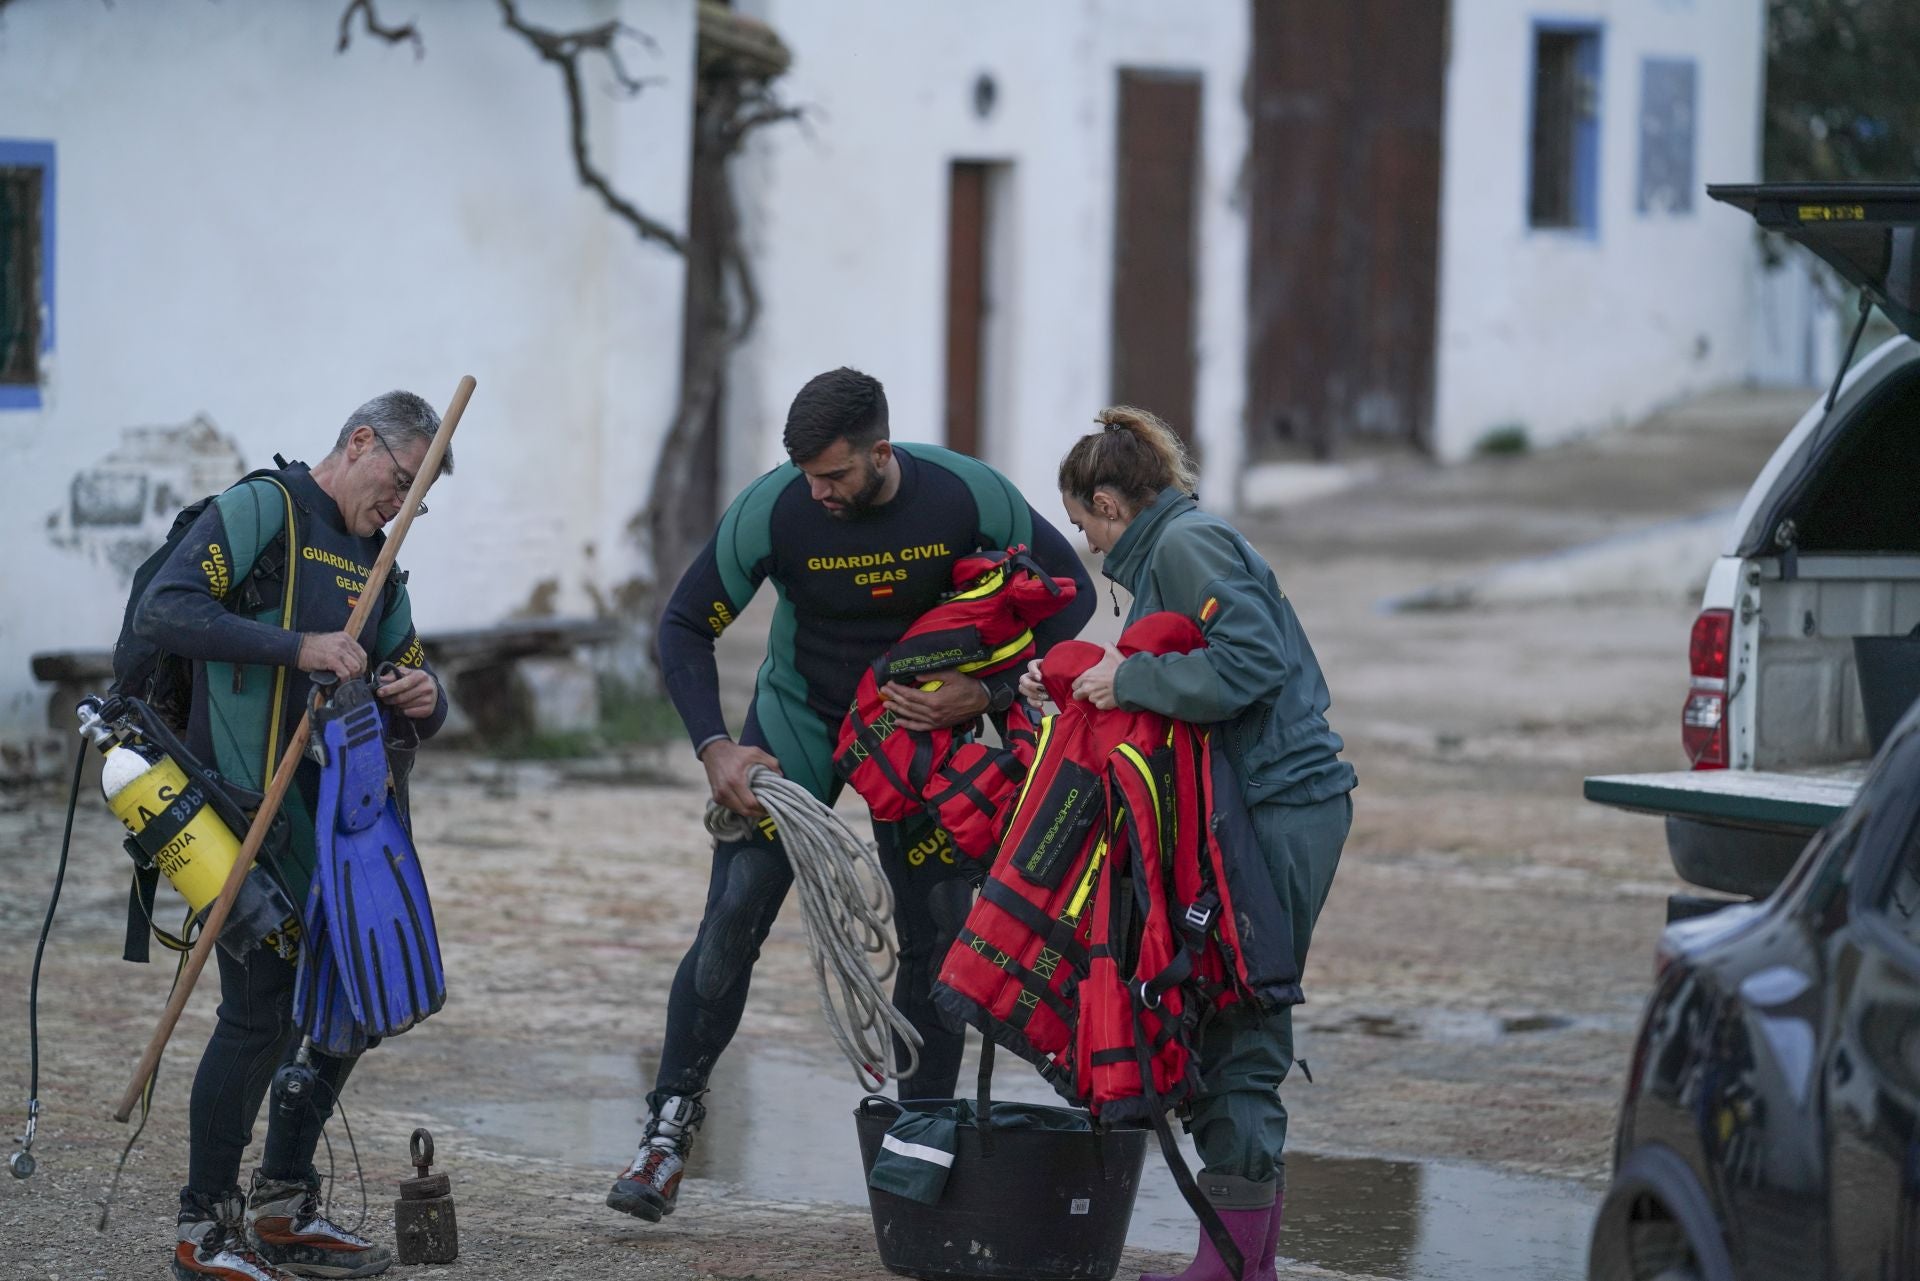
285,1227
649,1186
213,1246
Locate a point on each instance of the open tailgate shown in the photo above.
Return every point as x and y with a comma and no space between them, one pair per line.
1869,233
1792,804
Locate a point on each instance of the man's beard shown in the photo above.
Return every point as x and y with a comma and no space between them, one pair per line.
863,501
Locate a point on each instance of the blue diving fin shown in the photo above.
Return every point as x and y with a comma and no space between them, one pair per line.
320,1005
372,965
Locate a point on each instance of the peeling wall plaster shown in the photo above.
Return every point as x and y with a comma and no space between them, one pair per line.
119,509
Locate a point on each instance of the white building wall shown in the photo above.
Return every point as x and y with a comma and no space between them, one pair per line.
849,217
257,231
1560,331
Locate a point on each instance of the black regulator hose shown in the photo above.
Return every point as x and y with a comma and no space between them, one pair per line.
20,1164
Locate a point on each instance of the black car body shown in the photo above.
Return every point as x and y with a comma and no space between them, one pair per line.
1771,1123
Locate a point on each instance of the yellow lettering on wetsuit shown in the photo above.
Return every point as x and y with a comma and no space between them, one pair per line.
215,568
335,561
937,844
866,560
878,560
720,617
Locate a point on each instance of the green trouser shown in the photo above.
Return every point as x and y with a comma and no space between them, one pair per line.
1237,1120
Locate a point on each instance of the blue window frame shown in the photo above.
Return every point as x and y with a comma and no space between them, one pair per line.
1563,180
1669,93
26,270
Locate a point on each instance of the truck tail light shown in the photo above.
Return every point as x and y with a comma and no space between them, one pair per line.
1703,721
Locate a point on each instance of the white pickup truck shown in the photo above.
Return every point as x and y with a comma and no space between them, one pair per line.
1825,550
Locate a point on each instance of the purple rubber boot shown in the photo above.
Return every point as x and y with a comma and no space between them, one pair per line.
1251,1212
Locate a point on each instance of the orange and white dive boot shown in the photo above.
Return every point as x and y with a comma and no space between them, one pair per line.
650,1185
213,1246
286,1228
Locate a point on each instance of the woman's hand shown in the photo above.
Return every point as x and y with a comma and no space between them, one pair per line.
1095,685
1031,687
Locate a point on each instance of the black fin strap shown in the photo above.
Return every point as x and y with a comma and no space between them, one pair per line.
146,880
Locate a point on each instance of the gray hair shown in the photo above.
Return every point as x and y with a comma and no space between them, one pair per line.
397,418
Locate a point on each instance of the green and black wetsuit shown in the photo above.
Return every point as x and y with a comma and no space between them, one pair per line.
848,588
269,559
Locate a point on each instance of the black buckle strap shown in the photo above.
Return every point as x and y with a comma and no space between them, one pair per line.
1056,934
1030,981
1203,1210
867,740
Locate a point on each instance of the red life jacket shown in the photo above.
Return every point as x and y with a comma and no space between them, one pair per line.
1111,920
985,626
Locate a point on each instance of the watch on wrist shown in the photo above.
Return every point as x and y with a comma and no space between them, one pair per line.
999,698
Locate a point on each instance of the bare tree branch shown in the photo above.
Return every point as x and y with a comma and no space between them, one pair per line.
737,112
564,50
392,35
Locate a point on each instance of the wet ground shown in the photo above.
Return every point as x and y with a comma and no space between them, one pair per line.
1474,983
1351,1215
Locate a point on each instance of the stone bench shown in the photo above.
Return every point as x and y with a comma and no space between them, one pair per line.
511,679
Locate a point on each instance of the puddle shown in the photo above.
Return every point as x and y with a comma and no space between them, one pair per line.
1479,1027
781,1127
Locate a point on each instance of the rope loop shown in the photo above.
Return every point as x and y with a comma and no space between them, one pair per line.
847,905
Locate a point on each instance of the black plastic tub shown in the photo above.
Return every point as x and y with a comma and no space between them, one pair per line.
1025,1205
1889,668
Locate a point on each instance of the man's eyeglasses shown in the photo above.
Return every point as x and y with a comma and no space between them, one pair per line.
402,483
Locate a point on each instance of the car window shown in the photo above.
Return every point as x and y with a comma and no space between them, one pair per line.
1884,826
1828,870
1900,903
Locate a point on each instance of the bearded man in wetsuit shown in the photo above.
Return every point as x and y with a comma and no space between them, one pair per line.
859,537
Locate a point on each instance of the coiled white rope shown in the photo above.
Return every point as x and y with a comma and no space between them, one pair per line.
847,905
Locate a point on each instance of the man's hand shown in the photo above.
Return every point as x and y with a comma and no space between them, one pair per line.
334,652
1032,688
958,699
1095,685
411,692
727,765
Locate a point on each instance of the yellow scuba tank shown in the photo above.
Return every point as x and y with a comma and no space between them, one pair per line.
180,831
170,819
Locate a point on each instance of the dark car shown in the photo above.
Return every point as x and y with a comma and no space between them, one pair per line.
1769,1125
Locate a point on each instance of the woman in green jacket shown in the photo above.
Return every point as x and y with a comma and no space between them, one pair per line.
1129,489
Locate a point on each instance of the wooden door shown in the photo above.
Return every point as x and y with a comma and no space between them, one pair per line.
1345,210
966,302
1155,241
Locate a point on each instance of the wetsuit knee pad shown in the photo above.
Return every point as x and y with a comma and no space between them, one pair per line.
756,880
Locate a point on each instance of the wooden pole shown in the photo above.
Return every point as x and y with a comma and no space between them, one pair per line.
283,776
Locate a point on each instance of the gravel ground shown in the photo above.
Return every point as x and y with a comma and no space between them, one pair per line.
1475,978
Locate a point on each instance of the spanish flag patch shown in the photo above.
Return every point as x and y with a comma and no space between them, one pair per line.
1208,610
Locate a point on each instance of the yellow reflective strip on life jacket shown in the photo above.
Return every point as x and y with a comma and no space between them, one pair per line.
1139,762
1039,750
1002,654
277,712
992,583
1078,902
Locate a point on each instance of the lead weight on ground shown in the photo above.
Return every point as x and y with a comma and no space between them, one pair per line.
423,1222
